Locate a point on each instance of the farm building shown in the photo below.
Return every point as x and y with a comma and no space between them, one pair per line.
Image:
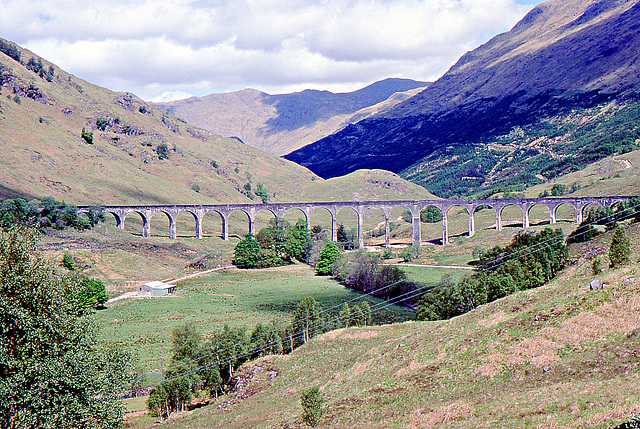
158,288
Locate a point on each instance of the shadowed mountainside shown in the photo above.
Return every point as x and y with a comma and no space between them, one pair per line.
560,57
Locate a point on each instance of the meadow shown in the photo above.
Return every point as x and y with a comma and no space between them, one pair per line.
234,297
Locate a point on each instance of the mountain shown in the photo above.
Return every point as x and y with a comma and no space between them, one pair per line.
530,104
135,153
281,123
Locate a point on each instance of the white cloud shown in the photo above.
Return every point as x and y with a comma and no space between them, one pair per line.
163,48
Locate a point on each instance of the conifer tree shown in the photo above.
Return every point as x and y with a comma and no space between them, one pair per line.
620,250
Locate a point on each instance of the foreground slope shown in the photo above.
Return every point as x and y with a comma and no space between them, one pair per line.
559,356
282,123
563,56
42,115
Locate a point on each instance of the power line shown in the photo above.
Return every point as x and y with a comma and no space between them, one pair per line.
378,306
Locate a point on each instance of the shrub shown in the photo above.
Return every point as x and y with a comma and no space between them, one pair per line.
596,267
48,351
502,271
87,136
261,192
620,250
93,295
246,252
430,215
329,255
347,237
312,404
68,262
102,123
163,151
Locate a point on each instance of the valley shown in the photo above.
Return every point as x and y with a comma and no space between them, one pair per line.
304,261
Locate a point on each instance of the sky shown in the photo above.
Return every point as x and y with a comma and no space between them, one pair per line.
164,50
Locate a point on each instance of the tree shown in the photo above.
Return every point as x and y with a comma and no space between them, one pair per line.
307,319
262,192
299,243
94,293
312,404
246,252
620,250
430,214
52,373
329,255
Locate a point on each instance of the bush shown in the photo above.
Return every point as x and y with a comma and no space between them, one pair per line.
529,261
246,252
53,368
87,136
430,215
312,404
329,255
68,262
163,151
620,249
93,295
102,123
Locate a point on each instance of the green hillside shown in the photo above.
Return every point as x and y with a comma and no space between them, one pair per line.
139,154
559,356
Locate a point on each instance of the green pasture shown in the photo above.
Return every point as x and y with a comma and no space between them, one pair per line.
234,297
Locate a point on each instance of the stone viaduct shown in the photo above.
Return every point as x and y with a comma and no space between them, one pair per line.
415,207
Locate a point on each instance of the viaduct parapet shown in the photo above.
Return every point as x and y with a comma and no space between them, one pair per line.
415,207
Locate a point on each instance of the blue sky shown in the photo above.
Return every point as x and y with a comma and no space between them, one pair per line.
169,49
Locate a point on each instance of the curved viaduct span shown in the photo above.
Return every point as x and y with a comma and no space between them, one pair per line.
415,207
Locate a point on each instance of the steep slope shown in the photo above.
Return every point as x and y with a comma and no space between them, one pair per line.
563,55
282,123
560,356
138,153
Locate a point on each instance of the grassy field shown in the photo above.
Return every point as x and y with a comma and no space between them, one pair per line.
234,297
561,356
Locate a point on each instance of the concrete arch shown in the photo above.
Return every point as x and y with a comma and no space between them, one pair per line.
196,218
250,220
532,208
117,217
471,229
171,220
591,205
145,221
224,230
332,223
523,212
554,217
376,223
349,225
290,210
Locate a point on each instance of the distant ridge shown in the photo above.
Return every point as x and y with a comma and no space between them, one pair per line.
284,122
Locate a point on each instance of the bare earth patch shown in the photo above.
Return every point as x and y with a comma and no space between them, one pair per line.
361,336
332,335
421,418
489,370
226,295
359,369
498,317
413,365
